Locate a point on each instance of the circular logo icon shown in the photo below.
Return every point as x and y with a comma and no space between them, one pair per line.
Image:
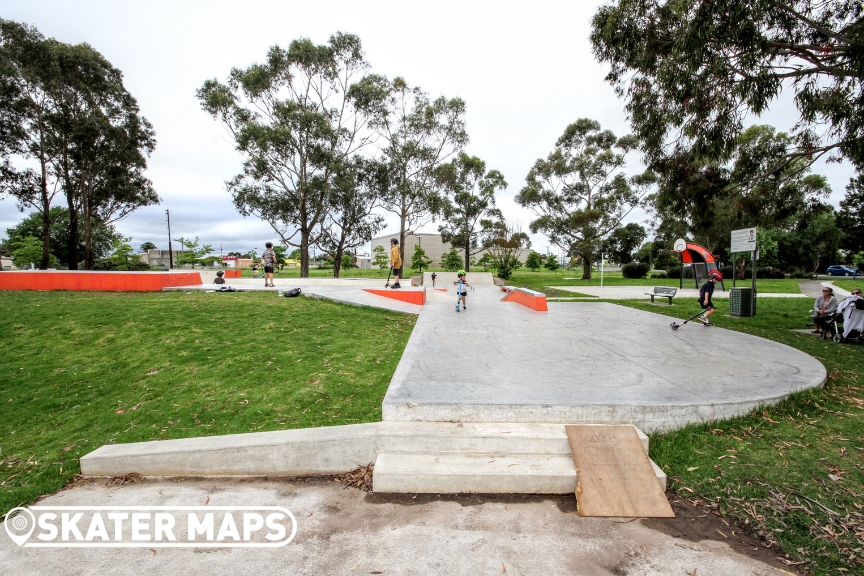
20,524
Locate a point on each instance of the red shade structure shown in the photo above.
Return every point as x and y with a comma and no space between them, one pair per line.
701,262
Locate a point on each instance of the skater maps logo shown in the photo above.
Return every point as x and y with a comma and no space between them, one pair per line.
151,526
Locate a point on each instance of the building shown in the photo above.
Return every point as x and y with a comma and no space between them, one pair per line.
432,244
158,257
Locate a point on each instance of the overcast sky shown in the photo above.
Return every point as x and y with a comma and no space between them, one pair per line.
524,69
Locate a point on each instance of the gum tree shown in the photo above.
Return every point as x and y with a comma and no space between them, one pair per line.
692,72
579,192
416,136
467,203
294,119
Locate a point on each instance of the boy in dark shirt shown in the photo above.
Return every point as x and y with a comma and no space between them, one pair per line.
705,294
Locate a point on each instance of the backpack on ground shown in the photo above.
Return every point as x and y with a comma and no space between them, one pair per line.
294,292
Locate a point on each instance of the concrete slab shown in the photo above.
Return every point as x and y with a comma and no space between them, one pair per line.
343,531
638,293
585,363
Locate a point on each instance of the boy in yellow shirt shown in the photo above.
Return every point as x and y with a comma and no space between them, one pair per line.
395,261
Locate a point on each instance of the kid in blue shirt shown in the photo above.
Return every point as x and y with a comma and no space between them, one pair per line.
461,290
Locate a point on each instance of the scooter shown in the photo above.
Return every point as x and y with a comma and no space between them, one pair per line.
676,325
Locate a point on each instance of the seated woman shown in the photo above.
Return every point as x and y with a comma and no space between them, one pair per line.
823,309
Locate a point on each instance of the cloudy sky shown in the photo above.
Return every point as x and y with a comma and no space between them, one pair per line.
525,71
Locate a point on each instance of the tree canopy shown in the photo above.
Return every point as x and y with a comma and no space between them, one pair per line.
579,192
468,203
692,72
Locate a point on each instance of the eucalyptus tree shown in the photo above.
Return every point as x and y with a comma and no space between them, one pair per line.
71,114
351,221
579,193
295,120
468,202
28,83
692,72
417,135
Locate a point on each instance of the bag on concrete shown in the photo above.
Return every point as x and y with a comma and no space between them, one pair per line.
226,289
292,293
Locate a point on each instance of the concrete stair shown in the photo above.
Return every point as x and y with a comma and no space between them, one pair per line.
443,473
487,459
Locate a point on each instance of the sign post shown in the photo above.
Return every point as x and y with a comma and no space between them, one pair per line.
680,246
743,240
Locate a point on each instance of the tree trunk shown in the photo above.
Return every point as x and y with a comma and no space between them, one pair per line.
337,261
88,237
304,254
586,265
72,240
46,226
742,268
402,239
467,258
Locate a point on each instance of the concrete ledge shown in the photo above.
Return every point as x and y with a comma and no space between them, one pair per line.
326,450
85,280
412,296
233,273
650,418
530,298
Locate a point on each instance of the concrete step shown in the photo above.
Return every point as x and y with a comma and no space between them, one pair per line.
453,473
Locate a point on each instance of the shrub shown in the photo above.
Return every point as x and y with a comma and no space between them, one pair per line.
674,272
635,270
658,275
801,274
770,273
727,272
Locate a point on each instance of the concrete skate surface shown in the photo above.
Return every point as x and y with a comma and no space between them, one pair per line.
584,362
346,531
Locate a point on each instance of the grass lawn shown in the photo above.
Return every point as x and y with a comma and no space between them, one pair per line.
83,369
849,284
793,473
541,281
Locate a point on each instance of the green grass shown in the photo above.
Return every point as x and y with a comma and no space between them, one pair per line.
79,370
772,469
849,284
541,281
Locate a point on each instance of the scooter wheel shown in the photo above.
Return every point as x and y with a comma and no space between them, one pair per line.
838,338
674,326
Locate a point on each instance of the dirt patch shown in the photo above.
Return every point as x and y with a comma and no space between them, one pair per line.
696,520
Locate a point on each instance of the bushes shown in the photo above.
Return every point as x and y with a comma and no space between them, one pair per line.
674,272
658,275
635,270
727,271
770,273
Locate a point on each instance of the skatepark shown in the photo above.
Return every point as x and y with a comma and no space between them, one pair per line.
499,379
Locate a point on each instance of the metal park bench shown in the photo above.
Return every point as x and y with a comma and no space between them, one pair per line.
664,292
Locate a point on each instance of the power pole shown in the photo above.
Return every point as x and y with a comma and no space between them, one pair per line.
170,249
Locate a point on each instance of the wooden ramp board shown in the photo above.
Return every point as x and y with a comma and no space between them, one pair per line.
615,477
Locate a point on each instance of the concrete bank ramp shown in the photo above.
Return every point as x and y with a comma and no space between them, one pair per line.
409,457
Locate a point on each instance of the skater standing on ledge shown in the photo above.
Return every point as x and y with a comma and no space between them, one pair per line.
705,294
395,262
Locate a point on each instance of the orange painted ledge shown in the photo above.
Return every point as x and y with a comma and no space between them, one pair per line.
410,296
74,280
233,273
530,298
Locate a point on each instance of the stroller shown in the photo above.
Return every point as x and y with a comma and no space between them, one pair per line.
846,324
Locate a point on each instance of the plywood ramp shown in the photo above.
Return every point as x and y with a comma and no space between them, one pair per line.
615,477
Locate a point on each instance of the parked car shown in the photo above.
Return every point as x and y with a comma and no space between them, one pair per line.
838,270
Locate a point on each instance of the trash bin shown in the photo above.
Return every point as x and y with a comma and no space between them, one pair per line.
742,302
